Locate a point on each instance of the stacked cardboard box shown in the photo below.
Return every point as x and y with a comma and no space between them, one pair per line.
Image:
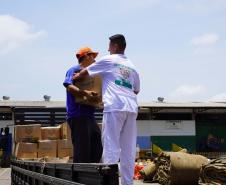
34,141
64,148
27,133
65,131
26,150
47,148
26,138
51,133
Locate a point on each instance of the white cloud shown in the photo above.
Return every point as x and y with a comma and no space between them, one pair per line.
201,6
15,32
218,98
187,92
205,40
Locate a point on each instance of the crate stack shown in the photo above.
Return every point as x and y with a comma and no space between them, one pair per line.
34,141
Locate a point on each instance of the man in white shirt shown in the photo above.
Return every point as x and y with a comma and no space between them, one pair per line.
121,84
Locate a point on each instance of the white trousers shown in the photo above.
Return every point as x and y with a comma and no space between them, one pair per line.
119,134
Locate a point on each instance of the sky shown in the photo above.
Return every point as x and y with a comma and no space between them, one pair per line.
178,47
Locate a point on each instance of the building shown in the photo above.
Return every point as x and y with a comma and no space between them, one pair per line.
197,126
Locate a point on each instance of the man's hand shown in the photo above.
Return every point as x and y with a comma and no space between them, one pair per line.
91,95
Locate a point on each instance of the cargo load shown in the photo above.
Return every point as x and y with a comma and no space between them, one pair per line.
50,133
91,84
214,172
64,148
176,168
47,148
27,133
65,131
26,150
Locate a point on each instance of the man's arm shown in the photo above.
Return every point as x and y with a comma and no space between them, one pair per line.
78,92
97,68
83,73
74,90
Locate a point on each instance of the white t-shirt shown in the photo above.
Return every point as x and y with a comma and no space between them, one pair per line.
119,81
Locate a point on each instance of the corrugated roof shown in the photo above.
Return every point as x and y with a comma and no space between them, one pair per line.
9,103
185,105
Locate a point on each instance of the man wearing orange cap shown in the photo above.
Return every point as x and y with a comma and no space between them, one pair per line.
120,86
85,133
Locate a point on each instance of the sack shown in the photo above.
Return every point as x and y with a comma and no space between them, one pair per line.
176,168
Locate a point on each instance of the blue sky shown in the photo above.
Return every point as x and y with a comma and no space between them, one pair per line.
179,47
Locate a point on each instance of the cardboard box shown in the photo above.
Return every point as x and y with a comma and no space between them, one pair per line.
47,148
91,84
26,150
57,159
27,133
65,148
65,131
50,133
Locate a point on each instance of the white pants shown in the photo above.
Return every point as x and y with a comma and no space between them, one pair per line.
119,142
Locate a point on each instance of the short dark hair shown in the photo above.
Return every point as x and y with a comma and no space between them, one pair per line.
119,39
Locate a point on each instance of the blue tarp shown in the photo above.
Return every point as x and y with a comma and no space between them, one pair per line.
144,142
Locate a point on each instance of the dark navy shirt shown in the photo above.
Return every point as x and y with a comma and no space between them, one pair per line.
75,109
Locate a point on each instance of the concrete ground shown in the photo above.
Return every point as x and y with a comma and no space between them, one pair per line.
5,176
140,182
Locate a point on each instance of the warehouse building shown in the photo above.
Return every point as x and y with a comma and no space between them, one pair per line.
196,126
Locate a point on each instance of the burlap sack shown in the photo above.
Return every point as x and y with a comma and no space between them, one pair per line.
213,173
178,168
148,171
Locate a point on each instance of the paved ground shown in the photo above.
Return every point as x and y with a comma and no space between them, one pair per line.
139,182
5,176
6,180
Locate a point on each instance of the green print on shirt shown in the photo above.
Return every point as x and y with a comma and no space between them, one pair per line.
123,83
125,67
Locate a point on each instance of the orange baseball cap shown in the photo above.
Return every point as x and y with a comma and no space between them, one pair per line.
86,50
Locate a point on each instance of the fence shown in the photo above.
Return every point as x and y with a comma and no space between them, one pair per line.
37,173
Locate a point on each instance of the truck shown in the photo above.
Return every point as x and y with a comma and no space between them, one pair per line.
41,173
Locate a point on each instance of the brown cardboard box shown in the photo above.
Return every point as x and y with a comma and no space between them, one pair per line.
27,133
50,133
65,131
91,84
57,159
26,150
47,148
65,148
